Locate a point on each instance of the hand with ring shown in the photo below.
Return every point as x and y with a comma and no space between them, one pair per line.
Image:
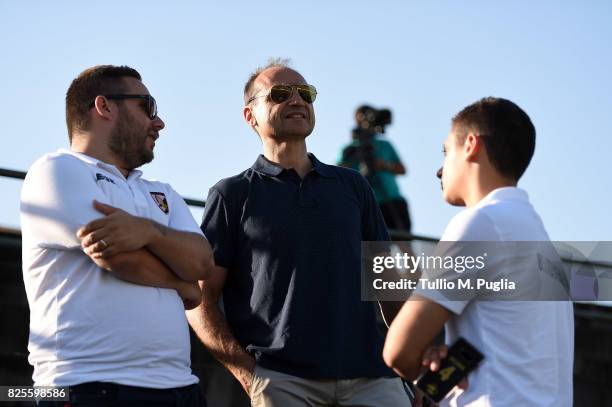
116,232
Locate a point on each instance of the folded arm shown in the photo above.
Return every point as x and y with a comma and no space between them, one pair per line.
187,254
143,268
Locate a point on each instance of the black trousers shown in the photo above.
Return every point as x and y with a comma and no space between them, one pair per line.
99,394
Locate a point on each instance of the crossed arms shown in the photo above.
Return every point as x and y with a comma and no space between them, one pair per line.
144,252
59,212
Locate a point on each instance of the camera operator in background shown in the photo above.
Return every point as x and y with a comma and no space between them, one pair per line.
376,159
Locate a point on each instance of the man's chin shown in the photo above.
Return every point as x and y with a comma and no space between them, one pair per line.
453,200
148,158
456,202
145,158
297,134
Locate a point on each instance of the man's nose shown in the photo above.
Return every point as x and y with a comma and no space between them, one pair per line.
295,97
158,123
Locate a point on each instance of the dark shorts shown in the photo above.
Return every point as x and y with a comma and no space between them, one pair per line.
98,394
396,214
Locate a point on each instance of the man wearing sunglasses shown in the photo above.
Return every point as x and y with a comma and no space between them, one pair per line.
110,260
286,236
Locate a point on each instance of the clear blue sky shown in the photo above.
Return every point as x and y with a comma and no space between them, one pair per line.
424,60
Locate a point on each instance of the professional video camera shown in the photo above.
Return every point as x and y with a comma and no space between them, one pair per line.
374,120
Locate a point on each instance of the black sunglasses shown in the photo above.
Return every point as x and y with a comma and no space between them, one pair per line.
151,106
280,93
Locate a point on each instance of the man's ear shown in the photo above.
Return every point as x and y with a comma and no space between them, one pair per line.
103,108
472,146
249,117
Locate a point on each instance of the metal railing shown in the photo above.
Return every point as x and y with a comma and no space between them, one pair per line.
395,234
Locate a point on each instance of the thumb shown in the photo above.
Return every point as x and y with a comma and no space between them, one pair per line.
104,208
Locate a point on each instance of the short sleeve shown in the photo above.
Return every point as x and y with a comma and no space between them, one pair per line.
217,226
389,153
455,300
180,215
56,200
385,151
468,226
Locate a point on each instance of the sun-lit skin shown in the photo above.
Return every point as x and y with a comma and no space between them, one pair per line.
282,127
452,171
124,134
467,174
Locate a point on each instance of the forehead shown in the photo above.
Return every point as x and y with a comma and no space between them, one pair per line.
135,87
451,138
279,75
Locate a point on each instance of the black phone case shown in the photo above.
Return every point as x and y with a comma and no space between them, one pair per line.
461,359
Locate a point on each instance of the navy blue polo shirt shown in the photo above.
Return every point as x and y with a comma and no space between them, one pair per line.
292,249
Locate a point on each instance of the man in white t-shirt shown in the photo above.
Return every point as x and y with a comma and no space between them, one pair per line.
528,346
110,260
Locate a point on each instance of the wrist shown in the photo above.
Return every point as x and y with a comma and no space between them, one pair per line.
153,232
181,287
246,365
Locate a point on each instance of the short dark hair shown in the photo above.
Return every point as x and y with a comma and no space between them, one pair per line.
506,130
272,63
94,81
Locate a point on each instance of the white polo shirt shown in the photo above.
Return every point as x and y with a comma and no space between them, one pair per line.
528,345
85,324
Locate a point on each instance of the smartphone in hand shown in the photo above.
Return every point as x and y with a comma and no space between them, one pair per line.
460,360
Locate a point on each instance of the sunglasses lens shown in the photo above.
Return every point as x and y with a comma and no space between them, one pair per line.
152,108
279,94
308,93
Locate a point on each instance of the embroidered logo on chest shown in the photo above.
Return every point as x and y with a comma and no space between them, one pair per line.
161,201
104,178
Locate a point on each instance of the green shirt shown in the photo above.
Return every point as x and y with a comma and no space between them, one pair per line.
385,187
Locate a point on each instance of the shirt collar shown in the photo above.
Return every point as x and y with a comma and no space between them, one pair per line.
504,194
323,169
100,164
269,168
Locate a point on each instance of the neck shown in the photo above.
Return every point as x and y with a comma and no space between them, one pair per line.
99,150
484,186
288,154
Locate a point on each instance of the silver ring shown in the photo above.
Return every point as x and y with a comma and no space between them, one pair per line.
104,243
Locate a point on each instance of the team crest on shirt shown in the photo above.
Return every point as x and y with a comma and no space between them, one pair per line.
161,201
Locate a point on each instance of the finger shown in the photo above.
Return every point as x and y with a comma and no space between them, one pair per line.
104,208
435,362
96,237
89,240
97,247
91,226
104,254
426,360
439,354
